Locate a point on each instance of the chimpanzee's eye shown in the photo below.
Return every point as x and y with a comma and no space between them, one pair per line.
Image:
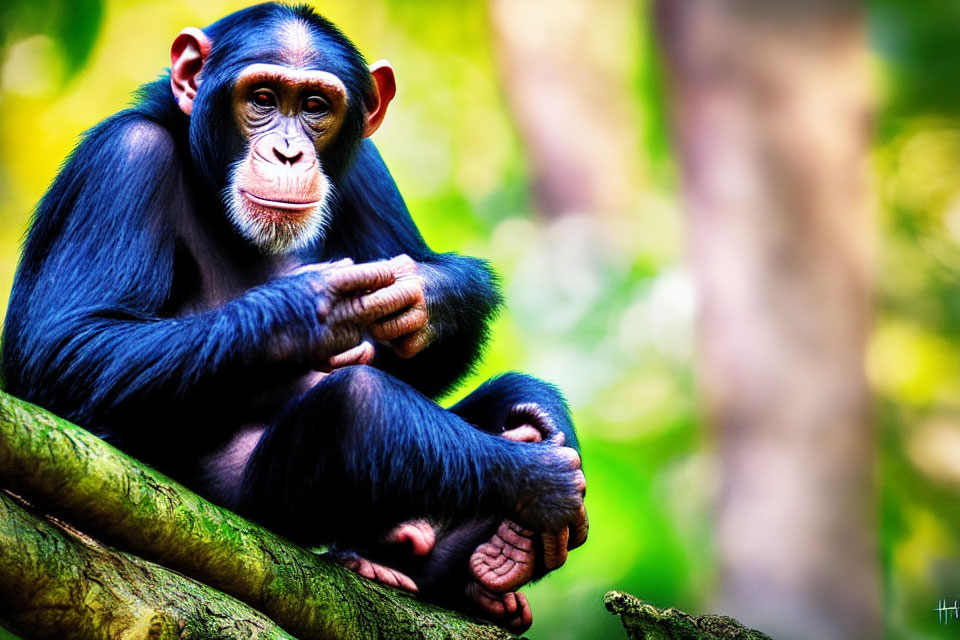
264,98
315,105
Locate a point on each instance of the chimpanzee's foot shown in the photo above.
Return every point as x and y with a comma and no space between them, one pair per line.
372,570
418,535
508,610
505,563
527,422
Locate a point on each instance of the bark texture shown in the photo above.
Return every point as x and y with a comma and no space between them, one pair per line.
646,622
104,492
771,110
56,584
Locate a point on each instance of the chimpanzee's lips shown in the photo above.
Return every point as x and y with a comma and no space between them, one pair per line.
280,204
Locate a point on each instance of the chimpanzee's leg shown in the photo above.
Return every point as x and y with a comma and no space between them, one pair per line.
516,406
514,399
524,409
502,555
362,451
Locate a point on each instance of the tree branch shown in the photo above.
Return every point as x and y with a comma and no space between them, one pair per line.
646,622
56,584
79,477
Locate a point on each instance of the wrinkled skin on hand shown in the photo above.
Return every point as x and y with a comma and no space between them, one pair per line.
404,323
385,299
334,336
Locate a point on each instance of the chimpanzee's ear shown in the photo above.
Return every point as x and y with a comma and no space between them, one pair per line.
187,55
385,87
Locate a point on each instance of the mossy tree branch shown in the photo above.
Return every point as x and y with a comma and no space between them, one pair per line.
646,622
82,479
48,572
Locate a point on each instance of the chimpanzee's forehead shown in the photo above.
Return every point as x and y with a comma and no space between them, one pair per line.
297,44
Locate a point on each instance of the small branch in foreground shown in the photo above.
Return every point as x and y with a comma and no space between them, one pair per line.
646,622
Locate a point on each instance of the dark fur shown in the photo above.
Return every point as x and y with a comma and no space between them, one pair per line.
141,314
489,408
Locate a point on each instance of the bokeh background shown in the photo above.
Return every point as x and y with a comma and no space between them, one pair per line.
729,231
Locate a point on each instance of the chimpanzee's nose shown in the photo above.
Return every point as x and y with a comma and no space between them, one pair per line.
290,156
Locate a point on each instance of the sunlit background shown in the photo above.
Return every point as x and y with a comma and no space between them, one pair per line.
536,134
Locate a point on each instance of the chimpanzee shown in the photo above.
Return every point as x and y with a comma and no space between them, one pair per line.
224,281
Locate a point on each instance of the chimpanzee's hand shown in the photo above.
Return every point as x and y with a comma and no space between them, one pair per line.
345,299
552,502
403,321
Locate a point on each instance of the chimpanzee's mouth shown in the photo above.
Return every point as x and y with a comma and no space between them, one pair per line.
281,204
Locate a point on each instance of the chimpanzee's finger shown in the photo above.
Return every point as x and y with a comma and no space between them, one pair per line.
360,278
401,324
554,549
525,620
337,339
363,353
376,572
382,302
322,271
579,529
394,578
320,267
403,265
411,345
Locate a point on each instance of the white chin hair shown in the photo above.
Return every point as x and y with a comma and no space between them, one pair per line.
273,231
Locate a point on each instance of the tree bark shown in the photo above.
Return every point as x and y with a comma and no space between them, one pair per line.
771,112
56,584
646,622
82,479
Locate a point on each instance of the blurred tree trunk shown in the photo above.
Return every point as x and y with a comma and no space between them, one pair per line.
567,82
771,112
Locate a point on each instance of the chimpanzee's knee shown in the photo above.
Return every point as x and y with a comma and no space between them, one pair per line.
501,401
309,471
354,394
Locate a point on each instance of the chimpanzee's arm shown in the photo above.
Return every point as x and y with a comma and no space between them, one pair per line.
373,223
85,335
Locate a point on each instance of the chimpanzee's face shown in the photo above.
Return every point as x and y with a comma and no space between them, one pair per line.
278,191
279,115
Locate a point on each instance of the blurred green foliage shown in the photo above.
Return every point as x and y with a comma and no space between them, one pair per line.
604,309
914,360
918,44
71,24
